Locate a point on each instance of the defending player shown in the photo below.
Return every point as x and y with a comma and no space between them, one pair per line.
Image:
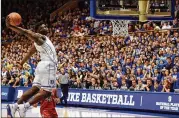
45,73
47,106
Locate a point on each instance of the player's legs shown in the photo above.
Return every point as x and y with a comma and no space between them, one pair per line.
12,108
64,88
44,84
40,95
44,78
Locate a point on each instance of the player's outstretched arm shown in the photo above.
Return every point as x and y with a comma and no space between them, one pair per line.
38,38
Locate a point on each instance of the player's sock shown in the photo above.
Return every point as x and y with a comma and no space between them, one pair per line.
15,105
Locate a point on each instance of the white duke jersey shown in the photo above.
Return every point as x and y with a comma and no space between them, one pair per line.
47,51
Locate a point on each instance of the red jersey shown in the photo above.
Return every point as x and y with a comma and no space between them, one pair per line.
47,106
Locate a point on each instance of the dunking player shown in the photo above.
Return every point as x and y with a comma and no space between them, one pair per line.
47,106
45,73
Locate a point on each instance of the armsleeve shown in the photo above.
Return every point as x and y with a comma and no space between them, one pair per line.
59,77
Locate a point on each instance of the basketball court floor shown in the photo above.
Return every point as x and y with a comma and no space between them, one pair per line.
87,112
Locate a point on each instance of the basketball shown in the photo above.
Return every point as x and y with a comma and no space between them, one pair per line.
15,18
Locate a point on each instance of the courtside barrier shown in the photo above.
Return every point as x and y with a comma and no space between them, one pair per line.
151,101
7,93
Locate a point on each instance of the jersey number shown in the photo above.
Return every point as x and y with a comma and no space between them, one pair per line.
52,83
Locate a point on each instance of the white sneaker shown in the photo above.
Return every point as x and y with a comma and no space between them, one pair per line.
22,110
11,110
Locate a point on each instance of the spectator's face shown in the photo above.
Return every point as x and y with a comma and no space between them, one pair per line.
166,72
139,82
153,65
94,69
155,71
169,60
114,63
108,56
133,83
103,64
171,71
175,50
156,84
144,71
149,82
176,34
128,71
115,84
175,70
138,62
97,61
133,66
93,81
128,61
105,82
62,70
3,69
78,81
177,64
138,70
123,82
176,59
79,73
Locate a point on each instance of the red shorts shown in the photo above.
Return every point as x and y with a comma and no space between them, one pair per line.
49,114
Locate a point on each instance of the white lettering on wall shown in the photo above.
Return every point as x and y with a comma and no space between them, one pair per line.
114,100
103,99
93,98
88,99
3,93
109,99
98,98
83,97
132,103
120,100
168,106
19,94
77,97
126,102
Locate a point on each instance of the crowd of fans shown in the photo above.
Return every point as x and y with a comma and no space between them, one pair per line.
141,62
